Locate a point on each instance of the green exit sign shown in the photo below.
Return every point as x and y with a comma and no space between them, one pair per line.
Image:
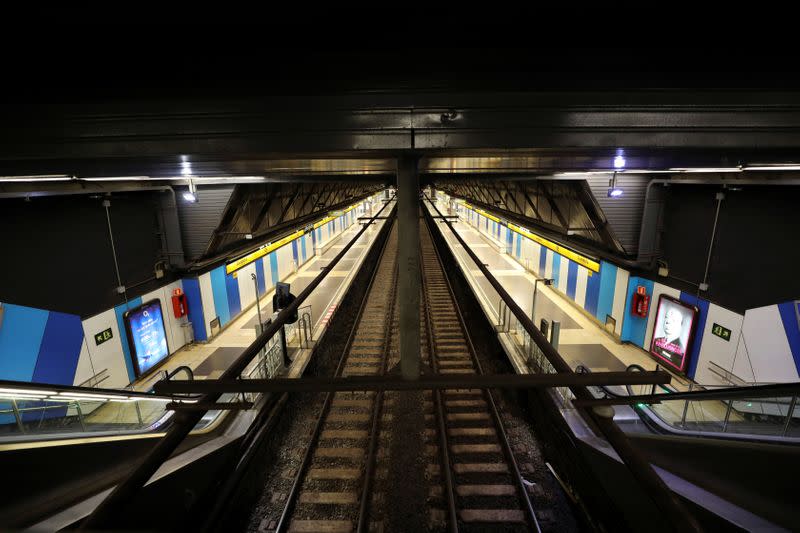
719,331
103,336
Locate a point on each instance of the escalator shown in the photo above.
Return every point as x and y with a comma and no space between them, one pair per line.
81,441
741,444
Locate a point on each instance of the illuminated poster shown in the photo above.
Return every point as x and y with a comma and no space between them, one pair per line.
673,332
146,335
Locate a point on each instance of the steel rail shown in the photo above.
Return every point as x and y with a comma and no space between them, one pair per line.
498,422
377,411
308,456
440,416
105,513
675,513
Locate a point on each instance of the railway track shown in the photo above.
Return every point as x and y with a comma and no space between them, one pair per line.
474,482
333,486
480,485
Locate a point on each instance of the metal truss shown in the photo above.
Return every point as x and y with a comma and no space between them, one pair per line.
564,207
259,209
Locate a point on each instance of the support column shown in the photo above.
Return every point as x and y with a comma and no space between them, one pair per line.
408,282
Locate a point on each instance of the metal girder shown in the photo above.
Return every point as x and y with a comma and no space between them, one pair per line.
289,204
256,210
269,194
363,122
423,382
595,214
553,206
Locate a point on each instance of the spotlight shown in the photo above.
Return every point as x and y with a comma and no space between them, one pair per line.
191,194
613,190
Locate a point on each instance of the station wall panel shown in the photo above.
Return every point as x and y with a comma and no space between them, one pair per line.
84,369
209,307
790,316
581,284
593,291
697,343
262,284
620,298
284,261
764,355
232,291
109,356
61,347
247,287
273,268
606,287
563,273
220,291
21,336
194,300
715,349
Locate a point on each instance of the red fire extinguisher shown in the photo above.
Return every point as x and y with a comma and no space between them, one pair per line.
178,303
641,302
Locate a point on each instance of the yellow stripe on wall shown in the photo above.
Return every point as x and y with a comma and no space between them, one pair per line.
261,252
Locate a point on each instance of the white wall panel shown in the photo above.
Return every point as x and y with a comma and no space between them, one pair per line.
108,355
563,274
620,293
658,289
247,287
715,349
764,353
548,264
580,287
535,251
207,294
285,261
84,370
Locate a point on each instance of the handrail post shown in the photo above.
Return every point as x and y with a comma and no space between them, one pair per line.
789,414
17,415
80,415
138,411
727,415
685,408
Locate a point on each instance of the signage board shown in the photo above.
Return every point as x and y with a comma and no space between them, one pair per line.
721,332
673,332
147,337
103,336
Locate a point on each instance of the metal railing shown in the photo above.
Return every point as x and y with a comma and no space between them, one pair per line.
757,412
40,412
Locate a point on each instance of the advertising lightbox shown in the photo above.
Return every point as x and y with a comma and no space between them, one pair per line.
147,337
673,332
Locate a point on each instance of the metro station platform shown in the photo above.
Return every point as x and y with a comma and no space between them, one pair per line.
583,341
208,360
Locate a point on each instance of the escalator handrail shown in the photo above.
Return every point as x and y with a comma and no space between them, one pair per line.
23,386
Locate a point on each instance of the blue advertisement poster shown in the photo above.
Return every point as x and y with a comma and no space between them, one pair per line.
146,335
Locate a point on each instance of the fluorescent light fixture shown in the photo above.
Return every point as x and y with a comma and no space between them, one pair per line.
30,179
701,170
117,178
774,167
619,162
26,391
